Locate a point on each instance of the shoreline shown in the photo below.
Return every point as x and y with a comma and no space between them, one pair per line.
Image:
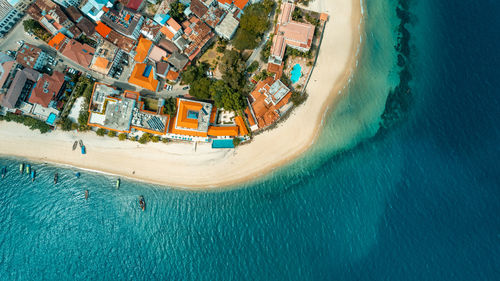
177,164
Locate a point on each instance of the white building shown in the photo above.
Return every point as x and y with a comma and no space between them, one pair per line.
227,28
9,16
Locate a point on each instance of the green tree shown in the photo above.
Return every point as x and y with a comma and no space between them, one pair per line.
170,106
100,132
233,69
111,134
30,122
298,98
236,141
145,138
155,139
177,11
66,124
225,97
122,136
253,23
200,88
253,66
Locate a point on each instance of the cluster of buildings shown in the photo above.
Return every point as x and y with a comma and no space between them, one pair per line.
161,48
288,33
25,90
11,11
125,112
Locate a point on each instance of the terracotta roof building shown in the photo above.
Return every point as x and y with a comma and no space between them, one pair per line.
86,26
142,50
103,58
172,75
58,41
151,30
290,33
52,18
213,16
168,46
198,39
31,56
268,97
47,89
192,118
123,42
74,14
80,53
198,8
162,69
143,76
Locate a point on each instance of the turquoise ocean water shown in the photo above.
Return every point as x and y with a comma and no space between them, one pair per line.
418,203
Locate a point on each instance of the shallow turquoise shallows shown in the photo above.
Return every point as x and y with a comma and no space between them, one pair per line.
296,73
418,203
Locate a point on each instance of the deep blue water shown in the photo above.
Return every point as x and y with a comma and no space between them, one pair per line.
420,203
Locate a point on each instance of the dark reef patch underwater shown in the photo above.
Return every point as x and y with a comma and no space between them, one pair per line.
418,202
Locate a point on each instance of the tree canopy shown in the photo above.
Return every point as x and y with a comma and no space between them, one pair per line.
233,69
254,22
177,11
225,97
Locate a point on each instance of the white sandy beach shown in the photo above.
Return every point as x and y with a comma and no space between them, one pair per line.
178,164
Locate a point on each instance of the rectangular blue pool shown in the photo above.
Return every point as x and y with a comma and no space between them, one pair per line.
225,143
51,119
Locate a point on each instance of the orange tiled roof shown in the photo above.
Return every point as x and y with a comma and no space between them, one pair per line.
101,63
142,49
173,130
78,52
212,114
57,41
184,107
175,25
102,29
172,75
222,131
241,125
138,78
249,115
266,113
240,3
167,32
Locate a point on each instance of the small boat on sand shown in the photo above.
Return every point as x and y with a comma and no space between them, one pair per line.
83,149
142,203
56,178
80,142
75,144
4,172
28,169
118,182
21,168
33,175
86,194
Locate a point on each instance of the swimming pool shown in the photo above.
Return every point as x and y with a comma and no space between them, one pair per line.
50,120
296,73
222,143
